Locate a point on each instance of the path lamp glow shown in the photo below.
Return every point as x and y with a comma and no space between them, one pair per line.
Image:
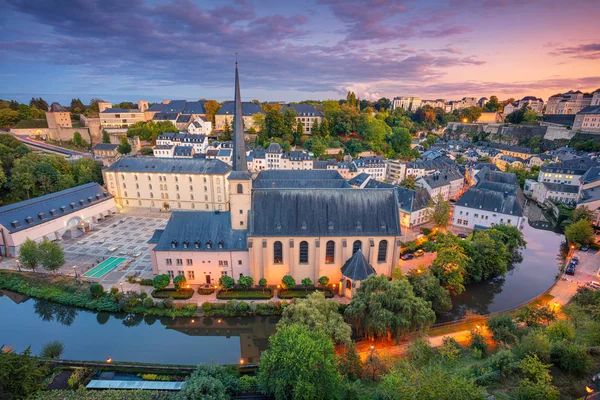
75,271
121,284
108,360
19,265
588,391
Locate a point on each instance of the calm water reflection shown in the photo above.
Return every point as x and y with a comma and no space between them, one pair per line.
97,336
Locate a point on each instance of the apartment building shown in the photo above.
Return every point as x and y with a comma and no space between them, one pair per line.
227,111
535,103
568,103
307,114
406,103
588,119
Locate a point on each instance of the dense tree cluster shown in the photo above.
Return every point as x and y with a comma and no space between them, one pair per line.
150,130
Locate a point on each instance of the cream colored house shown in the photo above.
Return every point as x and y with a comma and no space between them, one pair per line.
307,114
226,113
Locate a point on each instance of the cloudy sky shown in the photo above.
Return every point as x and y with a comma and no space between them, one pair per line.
293,50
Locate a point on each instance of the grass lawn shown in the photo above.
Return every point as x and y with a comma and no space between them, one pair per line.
245,294
182,294
31,124
300,293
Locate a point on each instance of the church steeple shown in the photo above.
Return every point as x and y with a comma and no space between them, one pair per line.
239,144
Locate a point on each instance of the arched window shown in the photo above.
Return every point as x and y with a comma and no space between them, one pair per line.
277,253
330,252
240,188
205,188
176,187
218,190
204,180
191,188
303,259
382,253
357,245
205,198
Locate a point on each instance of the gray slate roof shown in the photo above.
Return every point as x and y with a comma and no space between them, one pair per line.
357,267
202,231
28,213
491,200
181,165
248,108
359,179
324,212
122,110
592,175
487,174
194,107
300,183
575,166
105,146
303,110
590,110
56,107
559,187
412,200
443,178
165,116
298,175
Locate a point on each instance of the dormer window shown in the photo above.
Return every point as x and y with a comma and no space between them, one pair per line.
63,208
42,215
330,226
197,244
29,220
174,244
278,227
209,244
53,212
221,244
358,226
303,227
72,205
90,199
186,244
15,224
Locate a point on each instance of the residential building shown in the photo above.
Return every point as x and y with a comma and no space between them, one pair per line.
413,206
503,162
198,141
169,183
535,103
568,103
557,192
372,165
567,172
107,152
65,214
448,183
200,126
164,150
296,160
120,117
305,113
227,111
395,171
406,103
588,120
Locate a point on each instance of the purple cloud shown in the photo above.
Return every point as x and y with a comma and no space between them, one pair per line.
589,51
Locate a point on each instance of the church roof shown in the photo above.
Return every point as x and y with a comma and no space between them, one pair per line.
181,165
300,183
324,212
56,107
357,267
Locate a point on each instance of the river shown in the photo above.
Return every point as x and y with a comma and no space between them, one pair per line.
97,336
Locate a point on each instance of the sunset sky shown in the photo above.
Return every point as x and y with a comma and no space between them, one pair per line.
128,50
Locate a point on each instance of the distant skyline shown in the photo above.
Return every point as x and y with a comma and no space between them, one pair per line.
292,51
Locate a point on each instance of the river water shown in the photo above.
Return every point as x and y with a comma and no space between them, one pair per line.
98,336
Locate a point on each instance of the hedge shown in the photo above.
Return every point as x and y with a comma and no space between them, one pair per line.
147,282
300,293
233,309
245,294
175,294
202,290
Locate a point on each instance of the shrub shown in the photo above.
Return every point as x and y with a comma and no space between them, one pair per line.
76,378
529,390
535,370
560,330
478,343
182,294
502,361
243,307
420,351
246,282
143,295
569,356
450,349
307,282
129,301
52,350
226,282
160,304
114,290
206,291
288,282
179,282
324,281
96,290
262,282
248,384
535,343
148,302
245,294
147,282
206,307
168,302
161,281
303,293
503,328
149,377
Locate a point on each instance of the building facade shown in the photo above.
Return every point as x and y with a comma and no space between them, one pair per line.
588,119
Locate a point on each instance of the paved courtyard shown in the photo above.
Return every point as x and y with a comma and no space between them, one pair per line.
123,235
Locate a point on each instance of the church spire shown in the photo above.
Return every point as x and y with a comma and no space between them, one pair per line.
239,144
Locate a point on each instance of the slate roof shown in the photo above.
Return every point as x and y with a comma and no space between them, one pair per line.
590,110
412,200
359,179
481,165
183,151
194,107
589,195
357,267
560,187
291,174
592,175
165,116
324,212
56,107
105,146
121,110
174,106
274,148
248,108
487,174
559,119
375,184
516,149
490,200
155,236
576,166
296,155
181,165
300,183
26,214
443,178
201,231
303,110
157,107
183,118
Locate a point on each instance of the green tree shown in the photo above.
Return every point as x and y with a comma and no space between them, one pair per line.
77,106
439,212
318,147
124,147
580,233
427,286
409,183
78,140
535,343
52,349
569,356
489,258
316,128
581,212
536,382
298,132
246,281
503,328
51,255
288,282
179,282
324,131
8,117
318,315
161,281
227,134
560,330
262,282
96,290
492,105
29,254
213,382
20,375
382,307
226,282
450,267
510,235
400,141
105,137
324,281
307,282
288,369
86,170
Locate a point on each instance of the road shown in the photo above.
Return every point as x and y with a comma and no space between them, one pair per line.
415,263
48,147
587,270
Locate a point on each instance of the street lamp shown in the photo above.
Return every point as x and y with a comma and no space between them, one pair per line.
75,270
121,284
19,265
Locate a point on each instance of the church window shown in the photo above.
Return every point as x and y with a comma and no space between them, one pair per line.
303,252
382,253
277,253
330,252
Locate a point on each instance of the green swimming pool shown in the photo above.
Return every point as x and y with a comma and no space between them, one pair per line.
104,267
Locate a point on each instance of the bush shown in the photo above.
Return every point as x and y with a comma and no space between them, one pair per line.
168,302
52,350
535,343
502,361
129,301
324,281
76,377
307,282
303,293
146,282
560,330
246,282
226,282
529,390
245,294
288,282
450,349
161,281
420,351
569,356
148,302
478,343
248,384
182,294
243,307
262,282
96,290
503,328
206,307
114,290
179,282
205,291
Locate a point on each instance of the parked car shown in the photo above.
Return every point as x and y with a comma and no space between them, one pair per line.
571,265
584,248
462,236
593,285
407,257
575,260
419,253
570,270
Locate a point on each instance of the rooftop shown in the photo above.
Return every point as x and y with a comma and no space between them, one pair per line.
174,165
357,267
248,109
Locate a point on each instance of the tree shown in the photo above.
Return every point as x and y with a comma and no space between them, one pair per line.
492,105
288,282
51,255
307,282
77,106
535,343
29,254
78,140
409,183
503,328
299,132
105,137
318,315
400,141
450,267
262,282
86,170
38,103
318,147
226,282
580,233
324,130
439,212
427,286
20,375
316,128
179,282
536,382
124,147
227,134
560,330
161,281
52,349
324,281
581,212
382,308
409,382
349,363
569,356
288,369
96,290
246,282
211,107
8,117
489,258
212,381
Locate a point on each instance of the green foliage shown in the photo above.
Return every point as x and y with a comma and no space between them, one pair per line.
427,286
324,281
533,316
179,294
560,330
148,302
502,361
569,356
450,266
124,146
29,254
246,294
288,282
450,349
420,351
535,343
409,183
303,293
381,307
20,375
503,328
349,363
581,212
439,212
146,151
105,137
580,233
206,307
227,133
83,394
529,390
52,349
51,255
150,130
318,315
525,116
262,282
307,282
287,369
76,377
478,343
248,384
179,282
96,290
246,282
210,382
161,281
226,282
78,140
535,370
489,257
492,105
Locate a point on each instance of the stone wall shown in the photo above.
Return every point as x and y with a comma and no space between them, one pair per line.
556,132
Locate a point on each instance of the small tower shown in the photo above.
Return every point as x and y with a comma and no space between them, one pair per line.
240,179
